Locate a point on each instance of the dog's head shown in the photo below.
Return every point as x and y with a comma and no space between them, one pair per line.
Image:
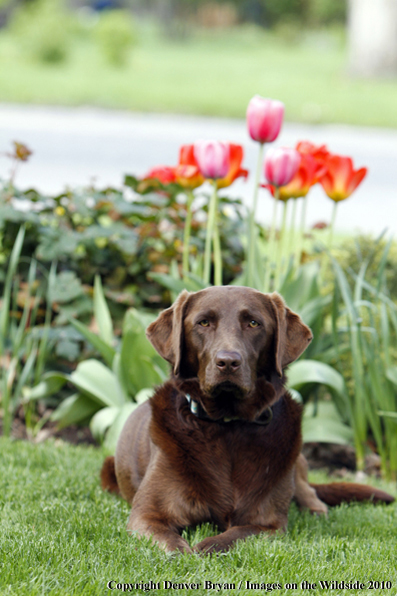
229,338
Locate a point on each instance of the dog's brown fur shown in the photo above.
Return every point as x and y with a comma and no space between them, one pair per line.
228,347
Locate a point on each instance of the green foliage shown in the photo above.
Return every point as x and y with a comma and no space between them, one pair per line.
106,394
325,12
368,323
103,232
22,354
42,30
115,35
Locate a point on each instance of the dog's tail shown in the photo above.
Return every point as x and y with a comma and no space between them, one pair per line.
336,493
108,476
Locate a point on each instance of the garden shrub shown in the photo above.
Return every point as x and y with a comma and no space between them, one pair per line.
43,30
115,35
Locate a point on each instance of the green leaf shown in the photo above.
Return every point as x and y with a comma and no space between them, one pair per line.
73,409
391,374
144,395
102,314
101,421
114,431
98,382
139,360
106,351
51,383
313,371
326,426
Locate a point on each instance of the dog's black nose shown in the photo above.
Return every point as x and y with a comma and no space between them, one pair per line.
228,361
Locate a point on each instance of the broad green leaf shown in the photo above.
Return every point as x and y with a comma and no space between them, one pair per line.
101,421
107,351
102,314
144,395
51,383
98,382
313,371
326,426
138,357
115,430
73,409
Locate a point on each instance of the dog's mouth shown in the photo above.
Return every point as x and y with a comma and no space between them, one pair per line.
231,389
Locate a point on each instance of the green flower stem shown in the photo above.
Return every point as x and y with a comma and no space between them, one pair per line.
281,246
251,236
217,251
272,237
209,236
292,229
332,226
301,232
187,231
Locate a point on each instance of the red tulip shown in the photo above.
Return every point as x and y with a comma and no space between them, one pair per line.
341,179
187,172
264,118
281,165
319,152
213,158
236,155
163,174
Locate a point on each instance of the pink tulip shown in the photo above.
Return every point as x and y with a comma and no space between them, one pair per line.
281,165
213,158
264,118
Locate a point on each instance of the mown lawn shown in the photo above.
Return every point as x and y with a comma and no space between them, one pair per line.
214,74
60,534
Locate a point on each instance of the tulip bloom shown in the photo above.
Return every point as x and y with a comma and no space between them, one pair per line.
319,152
341,180
187,171
281,165
213,158
163,174
309,172
264,119
236,154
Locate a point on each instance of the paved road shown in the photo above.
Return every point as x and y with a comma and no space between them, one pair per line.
77,145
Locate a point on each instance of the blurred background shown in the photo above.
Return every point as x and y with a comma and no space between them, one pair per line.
332,62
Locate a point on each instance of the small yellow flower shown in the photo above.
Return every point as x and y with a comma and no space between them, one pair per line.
59,211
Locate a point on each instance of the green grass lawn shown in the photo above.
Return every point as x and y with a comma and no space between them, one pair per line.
213,74
60,534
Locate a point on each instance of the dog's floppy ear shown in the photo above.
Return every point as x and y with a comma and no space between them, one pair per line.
292,336
166,332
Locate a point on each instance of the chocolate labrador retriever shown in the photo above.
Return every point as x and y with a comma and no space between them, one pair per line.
220,442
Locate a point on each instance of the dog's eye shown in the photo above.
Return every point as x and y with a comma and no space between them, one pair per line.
253,323
204,323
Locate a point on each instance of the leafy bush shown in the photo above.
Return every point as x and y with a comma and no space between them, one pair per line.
115,35
42,29
106,394
116,235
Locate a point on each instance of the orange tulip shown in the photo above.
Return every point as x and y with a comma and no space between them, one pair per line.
187,158
341,180
187,172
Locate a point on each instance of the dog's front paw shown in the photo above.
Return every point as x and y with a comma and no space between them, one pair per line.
212,544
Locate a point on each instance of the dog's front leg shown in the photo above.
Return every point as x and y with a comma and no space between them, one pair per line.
153,527
223,542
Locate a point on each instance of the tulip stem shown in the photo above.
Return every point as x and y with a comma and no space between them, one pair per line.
332,226
281,246
292,230
217,249
252,235
302,232
209,236
272,236
186,232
